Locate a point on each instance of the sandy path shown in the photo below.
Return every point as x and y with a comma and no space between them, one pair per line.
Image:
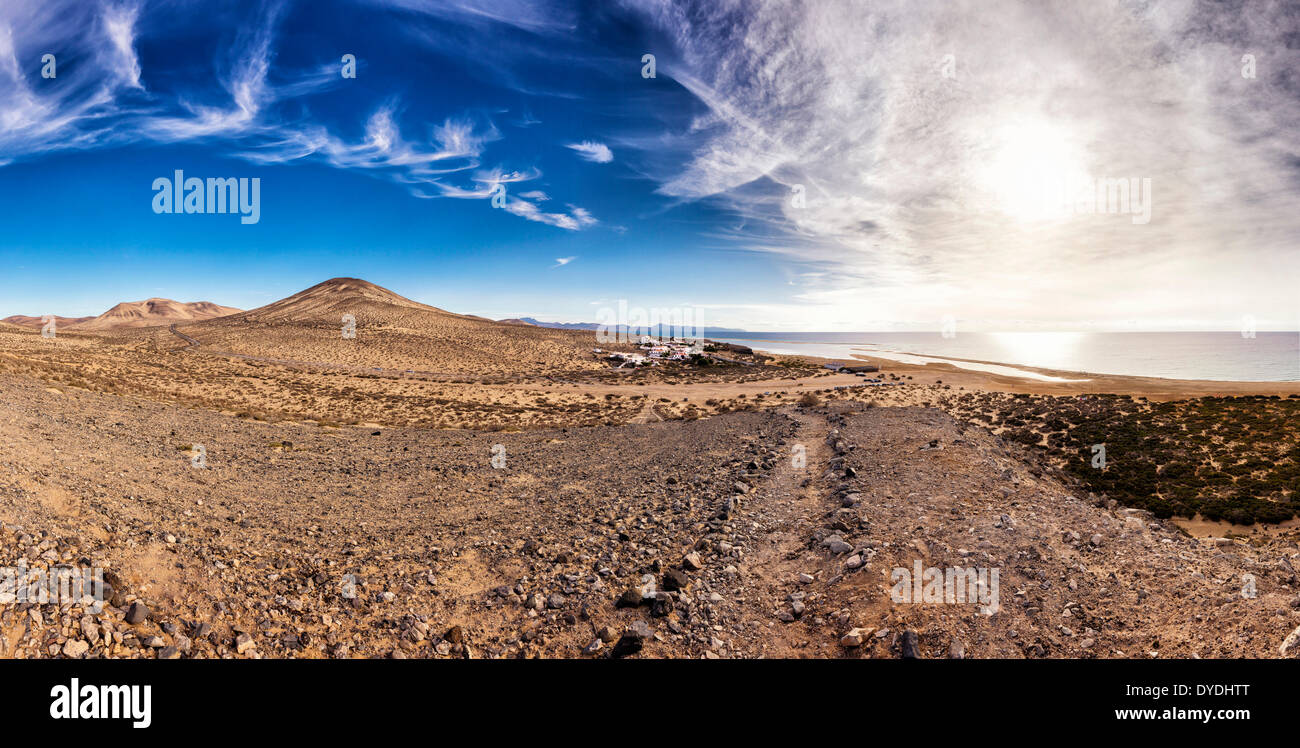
648,414
193,343
792,510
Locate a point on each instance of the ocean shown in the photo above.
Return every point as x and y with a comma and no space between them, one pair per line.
1215,356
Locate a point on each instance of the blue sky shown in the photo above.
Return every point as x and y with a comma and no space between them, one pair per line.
672,191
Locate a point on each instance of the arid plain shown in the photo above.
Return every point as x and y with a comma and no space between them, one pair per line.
256,484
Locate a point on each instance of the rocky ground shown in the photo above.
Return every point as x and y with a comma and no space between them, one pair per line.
1079,577
764,533
582,390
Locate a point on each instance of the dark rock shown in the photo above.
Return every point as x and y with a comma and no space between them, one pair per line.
662,605
910,649
629,599
137,613
675,580
632,641
626,646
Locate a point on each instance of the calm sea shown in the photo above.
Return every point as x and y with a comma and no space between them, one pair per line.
1222,356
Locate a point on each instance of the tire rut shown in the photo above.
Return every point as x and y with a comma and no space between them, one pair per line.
791,504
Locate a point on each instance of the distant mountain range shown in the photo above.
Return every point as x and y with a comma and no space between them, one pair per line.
596,326
158,311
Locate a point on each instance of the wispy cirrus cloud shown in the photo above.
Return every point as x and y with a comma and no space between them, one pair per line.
562,261
832,131
493,184
105,100
77,107
576,219
592,151
450,147
548,16
243,76
119,26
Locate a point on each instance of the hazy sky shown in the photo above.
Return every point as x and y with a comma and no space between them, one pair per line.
821,165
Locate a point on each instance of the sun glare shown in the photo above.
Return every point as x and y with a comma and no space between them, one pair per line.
1047,349
1031,164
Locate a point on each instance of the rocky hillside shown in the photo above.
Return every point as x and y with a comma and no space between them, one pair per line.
390,331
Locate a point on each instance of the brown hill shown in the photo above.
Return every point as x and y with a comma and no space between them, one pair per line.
392,332
155,311
22,320
329,300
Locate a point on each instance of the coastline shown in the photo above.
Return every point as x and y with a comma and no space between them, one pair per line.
1066,383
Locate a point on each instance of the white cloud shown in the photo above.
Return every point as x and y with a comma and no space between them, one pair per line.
119,25
912,199
592,151
103,100
531,212
562,261
36,116
583,216
243,76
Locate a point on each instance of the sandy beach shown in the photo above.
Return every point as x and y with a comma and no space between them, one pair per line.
1152,388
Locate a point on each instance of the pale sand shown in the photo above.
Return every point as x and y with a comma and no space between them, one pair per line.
1199,527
